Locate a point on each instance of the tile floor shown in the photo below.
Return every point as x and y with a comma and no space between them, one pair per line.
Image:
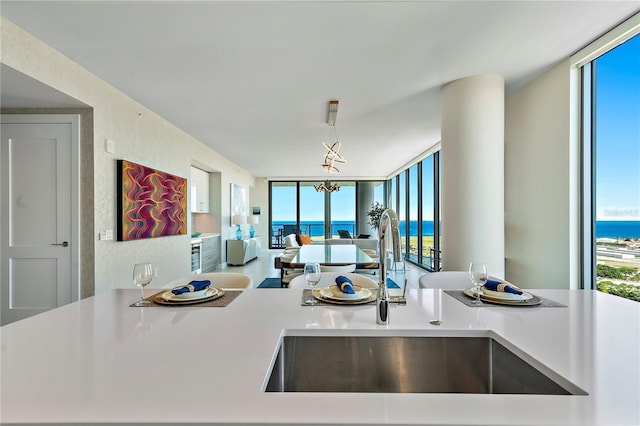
262,267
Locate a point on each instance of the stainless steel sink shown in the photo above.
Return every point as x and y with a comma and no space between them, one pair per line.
407,364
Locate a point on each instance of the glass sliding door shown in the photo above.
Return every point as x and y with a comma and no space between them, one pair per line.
283,211
312,211
343,210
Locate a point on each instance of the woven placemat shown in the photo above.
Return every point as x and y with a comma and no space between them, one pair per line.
460,296
228,297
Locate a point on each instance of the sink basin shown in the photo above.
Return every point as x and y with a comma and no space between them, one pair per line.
407,364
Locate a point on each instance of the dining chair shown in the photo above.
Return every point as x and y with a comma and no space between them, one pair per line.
343,233
451,280
277,238
329,278
338,268
226,279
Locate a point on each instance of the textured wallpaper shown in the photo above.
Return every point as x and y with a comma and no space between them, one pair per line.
139,135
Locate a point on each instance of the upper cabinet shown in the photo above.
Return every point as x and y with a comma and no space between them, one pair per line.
199,191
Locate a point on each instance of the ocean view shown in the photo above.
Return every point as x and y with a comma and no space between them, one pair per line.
618,229
604,228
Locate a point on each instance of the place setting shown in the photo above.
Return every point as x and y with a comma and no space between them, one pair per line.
343,292
488,290
199,293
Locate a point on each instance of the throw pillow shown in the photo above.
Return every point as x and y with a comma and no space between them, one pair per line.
305,239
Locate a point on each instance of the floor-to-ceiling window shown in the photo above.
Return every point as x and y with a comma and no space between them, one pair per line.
611,130
413,225
429,248
307,208
312,206
283,210
402,209
343,210
415,196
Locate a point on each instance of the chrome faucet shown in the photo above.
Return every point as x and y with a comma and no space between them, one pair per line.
387,220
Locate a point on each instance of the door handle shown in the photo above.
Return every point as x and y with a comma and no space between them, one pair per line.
64,244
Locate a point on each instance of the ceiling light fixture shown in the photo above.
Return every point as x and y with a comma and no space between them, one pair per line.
327,187
333,152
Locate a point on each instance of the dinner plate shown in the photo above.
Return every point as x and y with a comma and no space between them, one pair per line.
502,295
334,292
528,299
167,296
190,294
317,294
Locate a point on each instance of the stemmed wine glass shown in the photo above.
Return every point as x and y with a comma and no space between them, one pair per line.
312,277
478,276
142,275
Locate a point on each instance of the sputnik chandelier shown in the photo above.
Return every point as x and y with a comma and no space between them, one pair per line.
327,187
333,152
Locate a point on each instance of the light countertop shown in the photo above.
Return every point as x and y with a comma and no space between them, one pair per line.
200,237
101,361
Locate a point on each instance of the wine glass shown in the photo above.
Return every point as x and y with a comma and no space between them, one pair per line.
478,276
142,275
312,277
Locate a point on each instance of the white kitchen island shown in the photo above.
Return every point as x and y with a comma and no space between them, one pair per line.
101,361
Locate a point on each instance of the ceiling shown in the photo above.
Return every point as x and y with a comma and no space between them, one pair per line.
252,79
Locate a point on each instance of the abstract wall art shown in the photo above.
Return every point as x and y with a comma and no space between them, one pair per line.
151,203
238,201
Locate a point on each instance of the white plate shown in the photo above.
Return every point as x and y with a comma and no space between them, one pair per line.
500,295
190,294
533,301
334,292
193,295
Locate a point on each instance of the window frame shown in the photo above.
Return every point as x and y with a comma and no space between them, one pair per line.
584,63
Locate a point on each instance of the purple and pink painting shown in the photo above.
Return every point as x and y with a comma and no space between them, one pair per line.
151,203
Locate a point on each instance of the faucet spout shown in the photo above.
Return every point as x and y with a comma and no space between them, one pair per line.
388,226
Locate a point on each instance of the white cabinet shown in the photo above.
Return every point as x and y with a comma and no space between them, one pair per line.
240,252
199,191
210,253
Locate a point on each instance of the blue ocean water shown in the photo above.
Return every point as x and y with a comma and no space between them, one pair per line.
618,228
316,228
604,228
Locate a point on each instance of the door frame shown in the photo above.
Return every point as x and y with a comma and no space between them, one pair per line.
74,244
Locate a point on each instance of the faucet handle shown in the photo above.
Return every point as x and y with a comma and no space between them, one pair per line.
382,304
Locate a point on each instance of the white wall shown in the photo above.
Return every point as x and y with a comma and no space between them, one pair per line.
140,136
539,186
259,197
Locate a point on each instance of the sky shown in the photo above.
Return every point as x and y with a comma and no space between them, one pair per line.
617,105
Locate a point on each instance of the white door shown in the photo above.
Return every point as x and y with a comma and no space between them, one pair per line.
38,160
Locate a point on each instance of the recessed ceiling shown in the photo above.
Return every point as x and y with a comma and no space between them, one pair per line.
252,80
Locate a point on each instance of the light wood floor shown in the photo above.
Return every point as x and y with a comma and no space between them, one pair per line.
262,267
